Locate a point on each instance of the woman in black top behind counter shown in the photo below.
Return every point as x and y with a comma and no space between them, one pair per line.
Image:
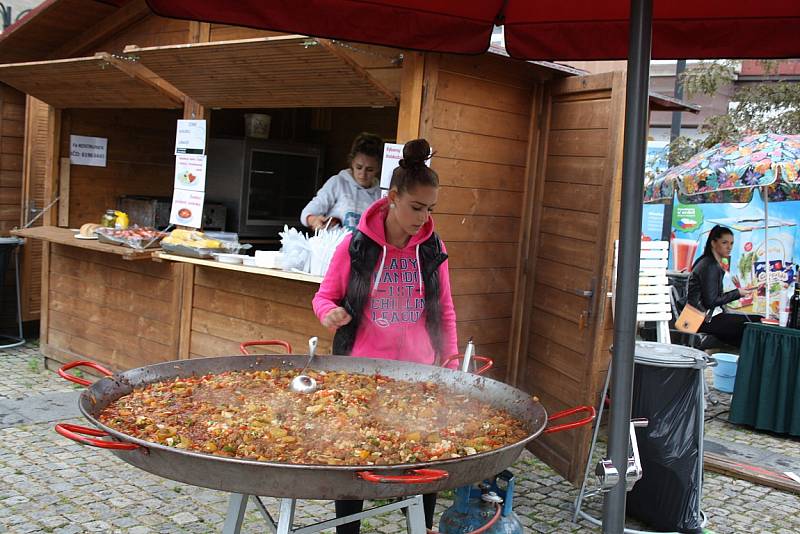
705,290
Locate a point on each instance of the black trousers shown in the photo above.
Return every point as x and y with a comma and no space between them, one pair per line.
729,327
344,508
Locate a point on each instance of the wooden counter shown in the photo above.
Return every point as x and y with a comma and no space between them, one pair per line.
65,236
98,306
302,277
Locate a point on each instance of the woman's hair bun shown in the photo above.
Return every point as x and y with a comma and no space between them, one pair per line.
415,153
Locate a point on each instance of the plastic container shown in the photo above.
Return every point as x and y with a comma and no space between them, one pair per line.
257,125
725,371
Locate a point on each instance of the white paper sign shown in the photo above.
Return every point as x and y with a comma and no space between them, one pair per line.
190,137
392,154
190,172
187,208
88,150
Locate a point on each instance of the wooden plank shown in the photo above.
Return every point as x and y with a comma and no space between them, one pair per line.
223,32
488,331
462,173
358,70
499,69
454,228
485,306
472,255
63,192
564,304
411,91
279,290
578,198
559,331
568,251
474,91
718,463
65,236
11,128
586,114
111,261
473,147
277,273
112,319
559,357
569,223
483,121
121,19
576,170
561,276
473,201
582,84
479,281
551,382
579,143
186,309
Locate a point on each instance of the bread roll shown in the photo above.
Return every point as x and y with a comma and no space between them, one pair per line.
88,229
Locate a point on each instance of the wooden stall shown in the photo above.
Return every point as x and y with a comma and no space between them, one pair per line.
528,155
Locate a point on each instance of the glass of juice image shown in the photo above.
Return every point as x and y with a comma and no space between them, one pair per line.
683,251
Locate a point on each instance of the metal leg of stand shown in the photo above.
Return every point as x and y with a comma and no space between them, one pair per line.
415,517
286,518
237,506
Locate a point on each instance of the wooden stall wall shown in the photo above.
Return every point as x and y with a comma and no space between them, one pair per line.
12,134
37,115
230,307
476,115
140,158
567,315
123,314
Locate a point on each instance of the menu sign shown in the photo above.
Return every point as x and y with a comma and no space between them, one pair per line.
190,137
187,208
392,154
190,172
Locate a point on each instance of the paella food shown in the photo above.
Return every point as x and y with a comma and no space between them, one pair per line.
351,419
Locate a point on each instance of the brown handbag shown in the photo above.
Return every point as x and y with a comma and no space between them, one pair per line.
690,319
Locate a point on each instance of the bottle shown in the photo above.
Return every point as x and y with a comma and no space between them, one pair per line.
121,221
794,308
108,219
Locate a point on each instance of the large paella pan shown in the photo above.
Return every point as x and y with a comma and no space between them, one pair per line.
307,481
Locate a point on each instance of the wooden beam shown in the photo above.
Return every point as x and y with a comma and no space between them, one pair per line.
185,308
199,32
63,192
358,69
51,175
731,468
529,235
129,14
411,93
145,75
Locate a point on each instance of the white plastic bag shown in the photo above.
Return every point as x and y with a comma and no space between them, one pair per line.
295,248
322,245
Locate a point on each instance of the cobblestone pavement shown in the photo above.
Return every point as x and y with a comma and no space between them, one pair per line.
51,484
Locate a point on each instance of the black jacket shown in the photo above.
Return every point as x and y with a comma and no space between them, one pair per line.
705,285
364,255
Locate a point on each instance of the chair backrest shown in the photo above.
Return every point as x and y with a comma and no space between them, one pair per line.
654,302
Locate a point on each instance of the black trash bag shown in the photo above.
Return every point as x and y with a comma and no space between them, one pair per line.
666,498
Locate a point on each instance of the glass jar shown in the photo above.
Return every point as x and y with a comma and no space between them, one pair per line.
108,219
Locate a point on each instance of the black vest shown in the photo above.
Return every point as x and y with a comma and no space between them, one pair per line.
364,256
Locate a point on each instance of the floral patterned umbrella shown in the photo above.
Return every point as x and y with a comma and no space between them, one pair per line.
730,172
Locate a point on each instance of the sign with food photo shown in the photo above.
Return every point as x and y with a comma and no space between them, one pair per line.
187,208
190,172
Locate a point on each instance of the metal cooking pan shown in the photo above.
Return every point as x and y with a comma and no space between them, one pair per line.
307,481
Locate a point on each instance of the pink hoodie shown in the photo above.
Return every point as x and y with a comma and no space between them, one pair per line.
393,322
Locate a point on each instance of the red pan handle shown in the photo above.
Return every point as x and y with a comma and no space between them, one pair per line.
418,476
285,344
488,363
62,371
575,424
76,432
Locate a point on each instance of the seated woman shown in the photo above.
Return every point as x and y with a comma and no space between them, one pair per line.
705,290
345,196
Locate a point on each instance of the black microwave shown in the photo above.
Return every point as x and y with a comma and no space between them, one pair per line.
263,184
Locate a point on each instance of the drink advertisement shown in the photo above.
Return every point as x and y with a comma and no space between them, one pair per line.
754,262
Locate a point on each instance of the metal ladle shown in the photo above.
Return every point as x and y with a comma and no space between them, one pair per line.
304,383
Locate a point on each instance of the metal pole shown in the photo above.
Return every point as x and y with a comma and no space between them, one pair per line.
633,160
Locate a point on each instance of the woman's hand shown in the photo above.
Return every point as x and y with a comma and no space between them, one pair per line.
318,222
336,318
743,292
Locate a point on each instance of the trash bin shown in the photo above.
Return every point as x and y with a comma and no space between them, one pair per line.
725,371
9,246
668,392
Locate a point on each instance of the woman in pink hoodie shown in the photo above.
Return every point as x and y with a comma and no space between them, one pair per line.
387,289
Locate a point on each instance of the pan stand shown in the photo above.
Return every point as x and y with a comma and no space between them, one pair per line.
237,505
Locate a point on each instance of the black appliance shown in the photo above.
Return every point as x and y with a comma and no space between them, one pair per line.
154,212
263,184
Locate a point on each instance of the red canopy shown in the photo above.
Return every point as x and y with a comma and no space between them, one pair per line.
534,29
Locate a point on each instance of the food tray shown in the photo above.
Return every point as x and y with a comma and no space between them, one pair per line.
189,252
139,244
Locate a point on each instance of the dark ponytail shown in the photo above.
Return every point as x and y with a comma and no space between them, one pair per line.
413,171
715,233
